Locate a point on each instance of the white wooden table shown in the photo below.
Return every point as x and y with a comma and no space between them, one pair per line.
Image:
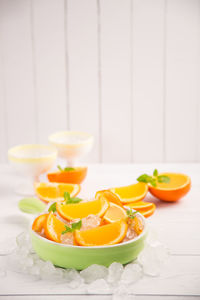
178,225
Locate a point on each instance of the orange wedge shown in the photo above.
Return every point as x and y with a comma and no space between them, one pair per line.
39,222
53,228
114,213
48,191
131,193
103,235
81,210
178,187
77,175
110,196
145,208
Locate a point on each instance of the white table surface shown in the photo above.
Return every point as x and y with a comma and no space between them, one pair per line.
178,226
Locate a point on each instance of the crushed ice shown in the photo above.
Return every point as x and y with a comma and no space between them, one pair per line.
95,279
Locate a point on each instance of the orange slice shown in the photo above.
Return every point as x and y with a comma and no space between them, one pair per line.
48,191
131,193
82,210
178,187
115,213
53,228
103,235
39,222
72,176
110,196
145,208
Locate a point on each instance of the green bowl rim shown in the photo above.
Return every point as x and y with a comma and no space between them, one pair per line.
95,247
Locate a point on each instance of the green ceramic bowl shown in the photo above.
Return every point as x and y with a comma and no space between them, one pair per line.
77,257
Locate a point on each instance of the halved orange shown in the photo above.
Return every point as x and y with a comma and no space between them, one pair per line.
53,228
178,187
110,196
76,175
103,235
81,210
48,191
39,222
114,213
145,208
131,193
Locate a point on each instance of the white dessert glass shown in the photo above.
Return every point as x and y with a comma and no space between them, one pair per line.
30,161
72,145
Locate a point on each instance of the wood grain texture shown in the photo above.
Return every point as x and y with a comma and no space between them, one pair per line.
16,47
50,67
115,18
83,69
182,83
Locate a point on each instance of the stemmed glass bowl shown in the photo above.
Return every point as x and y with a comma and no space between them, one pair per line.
72,145
30,161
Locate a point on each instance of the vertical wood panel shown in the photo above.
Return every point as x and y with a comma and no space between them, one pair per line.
50,66
148,78
16,50
182,81
83,69
116,79
3,138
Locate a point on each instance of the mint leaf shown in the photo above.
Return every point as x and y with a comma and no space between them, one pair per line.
155,173
75,226
59,168
65,169
67,197
52,207
144,178
68,169
69,200
163,178
74,200
131,214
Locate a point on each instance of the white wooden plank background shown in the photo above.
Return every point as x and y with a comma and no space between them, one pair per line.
50,66
83,87
18,81
127,71
148,80
115,20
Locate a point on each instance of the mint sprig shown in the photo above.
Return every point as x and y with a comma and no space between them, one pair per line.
74,226
153,179
71,200
131,214
52,207
67,169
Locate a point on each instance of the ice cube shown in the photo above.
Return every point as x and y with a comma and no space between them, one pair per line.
98,286
152,259
67,238
131,234
122,293
93,273
132,273
114,272
90,222
73,278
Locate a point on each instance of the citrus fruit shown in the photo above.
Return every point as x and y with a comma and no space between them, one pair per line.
39,223
110,196
52,191
81,210
109,234
73,175
114,213
131,193
53,228
145,208
178,187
